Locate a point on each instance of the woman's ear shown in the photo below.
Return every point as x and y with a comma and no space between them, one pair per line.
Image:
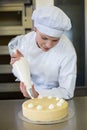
35,29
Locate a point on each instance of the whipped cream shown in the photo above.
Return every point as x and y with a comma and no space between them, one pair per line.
57,98
39,107
51,106
61,101
30,105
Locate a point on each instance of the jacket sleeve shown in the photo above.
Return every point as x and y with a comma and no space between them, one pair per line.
67,80
14,44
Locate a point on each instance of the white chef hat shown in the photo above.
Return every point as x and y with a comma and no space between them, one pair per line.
51,20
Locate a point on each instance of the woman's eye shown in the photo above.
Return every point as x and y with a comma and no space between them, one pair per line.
44,38
55,40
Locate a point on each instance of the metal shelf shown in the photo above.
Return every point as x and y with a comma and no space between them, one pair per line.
4,50
16,30
15,19
5,69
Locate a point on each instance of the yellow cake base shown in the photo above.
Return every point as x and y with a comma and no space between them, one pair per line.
45,109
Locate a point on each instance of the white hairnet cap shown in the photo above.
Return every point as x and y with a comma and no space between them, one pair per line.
51,20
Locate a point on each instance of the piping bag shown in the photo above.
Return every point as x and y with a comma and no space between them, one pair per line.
23,71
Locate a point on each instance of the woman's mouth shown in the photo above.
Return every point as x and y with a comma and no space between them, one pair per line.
45,49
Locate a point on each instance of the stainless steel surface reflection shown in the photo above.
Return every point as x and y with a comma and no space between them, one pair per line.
9,119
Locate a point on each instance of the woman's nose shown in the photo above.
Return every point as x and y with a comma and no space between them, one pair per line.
48,44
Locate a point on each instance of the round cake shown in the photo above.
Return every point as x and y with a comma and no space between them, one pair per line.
45,109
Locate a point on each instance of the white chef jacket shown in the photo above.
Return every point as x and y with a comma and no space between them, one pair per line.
53,73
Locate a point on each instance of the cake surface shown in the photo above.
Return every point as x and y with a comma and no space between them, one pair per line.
45,109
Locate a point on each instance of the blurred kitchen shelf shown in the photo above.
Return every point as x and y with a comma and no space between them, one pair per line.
15,19
17,30
6,74
10,91
9,87
4,50
5,69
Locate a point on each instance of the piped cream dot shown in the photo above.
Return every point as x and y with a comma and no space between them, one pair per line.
61,100
39,107
51,106
30,105
59,104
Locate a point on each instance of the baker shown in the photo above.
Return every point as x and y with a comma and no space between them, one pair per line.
51,55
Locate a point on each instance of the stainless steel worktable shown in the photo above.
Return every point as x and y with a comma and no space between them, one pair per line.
9,119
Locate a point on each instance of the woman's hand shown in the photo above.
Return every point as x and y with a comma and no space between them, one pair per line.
15,56
24,91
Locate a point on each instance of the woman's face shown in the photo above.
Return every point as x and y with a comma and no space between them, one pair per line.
45,42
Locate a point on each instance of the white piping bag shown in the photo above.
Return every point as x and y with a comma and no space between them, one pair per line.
22,68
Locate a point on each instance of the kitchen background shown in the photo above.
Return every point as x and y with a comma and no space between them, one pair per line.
15,19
